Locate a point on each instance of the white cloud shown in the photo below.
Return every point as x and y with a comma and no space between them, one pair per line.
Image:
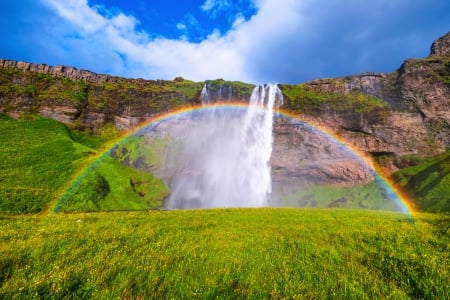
181,26
79,13
213,57
208,5
213,7
285,41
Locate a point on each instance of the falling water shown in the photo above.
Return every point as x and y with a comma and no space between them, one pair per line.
211,93
224,158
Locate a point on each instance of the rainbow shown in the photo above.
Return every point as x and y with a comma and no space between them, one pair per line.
402,201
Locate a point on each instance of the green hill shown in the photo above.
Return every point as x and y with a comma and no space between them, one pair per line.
226,254
38,159
427,180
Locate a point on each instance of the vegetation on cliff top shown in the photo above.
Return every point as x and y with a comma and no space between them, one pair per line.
439,67
303,98
112,98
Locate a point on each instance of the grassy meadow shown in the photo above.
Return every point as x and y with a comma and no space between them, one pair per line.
227,254
200,254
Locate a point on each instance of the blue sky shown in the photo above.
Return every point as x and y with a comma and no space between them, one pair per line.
257,41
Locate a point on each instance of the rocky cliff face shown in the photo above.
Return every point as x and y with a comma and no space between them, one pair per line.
221,90
441,46
88,100
61,71
417,118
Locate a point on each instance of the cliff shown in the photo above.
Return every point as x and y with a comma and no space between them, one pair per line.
61,71
385,115
88,100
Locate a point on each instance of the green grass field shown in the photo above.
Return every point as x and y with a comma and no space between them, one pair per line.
226,254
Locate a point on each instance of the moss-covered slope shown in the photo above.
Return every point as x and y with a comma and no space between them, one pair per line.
427,180
40,157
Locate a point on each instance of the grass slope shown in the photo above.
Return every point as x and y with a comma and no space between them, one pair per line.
427,181
229,254
113,186
37,158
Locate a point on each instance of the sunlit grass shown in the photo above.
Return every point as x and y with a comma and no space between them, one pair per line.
228,253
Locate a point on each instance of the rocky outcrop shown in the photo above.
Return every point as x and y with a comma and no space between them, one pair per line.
71,73
221,90
60,71
369,82
86,99
417,120
441,46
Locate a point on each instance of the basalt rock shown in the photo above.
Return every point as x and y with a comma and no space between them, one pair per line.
441,46
64,71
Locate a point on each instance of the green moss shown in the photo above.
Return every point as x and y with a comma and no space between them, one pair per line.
188,88
109,185
310,99
240,89
368,196
302,98
142,154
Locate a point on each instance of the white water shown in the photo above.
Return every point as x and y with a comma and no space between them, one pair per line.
224,157
222,93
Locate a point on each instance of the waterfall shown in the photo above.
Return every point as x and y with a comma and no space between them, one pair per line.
218,92
225,156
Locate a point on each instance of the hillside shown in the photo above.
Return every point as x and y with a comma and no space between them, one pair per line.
427,180
386,115
39,158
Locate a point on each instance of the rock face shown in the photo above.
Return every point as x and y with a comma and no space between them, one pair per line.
418,118
303,157
220,90
61,71
88,100
441,46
